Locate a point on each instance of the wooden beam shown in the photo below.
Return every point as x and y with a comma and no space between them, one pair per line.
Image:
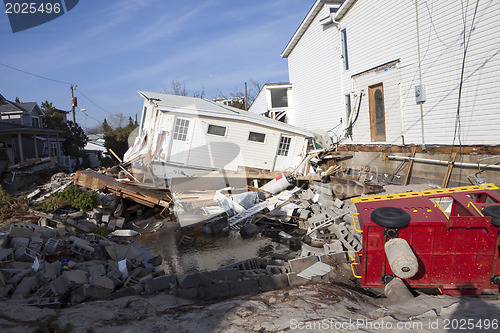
410,165
449,169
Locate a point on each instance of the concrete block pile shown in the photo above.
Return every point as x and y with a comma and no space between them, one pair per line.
54,267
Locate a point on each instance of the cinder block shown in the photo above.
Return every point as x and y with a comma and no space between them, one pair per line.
295,280
215,291
124,292
189,293
112,224
204,278
160,283
44,302
273,282
78,240
51,246
52,270
6,255
20,230
336,258
334,247
82,249
106,218
97,292
96,270
245,287
60,285
224,275
19,242
187,281
25,287
76,277
119,222
299,264
25,254
275,269
116,277
102,282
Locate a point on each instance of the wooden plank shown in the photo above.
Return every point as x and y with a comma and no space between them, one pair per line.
449,169
146,196
410,165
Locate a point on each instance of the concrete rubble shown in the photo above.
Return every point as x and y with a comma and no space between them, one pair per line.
59,261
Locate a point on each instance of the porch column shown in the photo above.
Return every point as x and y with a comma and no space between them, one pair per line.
58,152
48,146
20,144
36,146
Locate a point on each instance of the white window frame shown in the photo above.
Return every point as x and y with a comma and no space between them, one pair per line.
225,130
263,142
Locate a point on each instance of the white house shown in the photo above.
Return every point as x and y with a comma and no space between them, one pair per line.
186,135
273,101
397,72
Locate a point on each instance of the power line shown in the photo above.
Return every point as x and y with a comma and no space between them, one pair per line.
32,74
91,101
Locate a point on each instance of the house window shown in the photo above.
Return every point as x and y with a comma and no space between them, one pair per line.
284,146
35,122
279,98
53,149
377,112
256,137
345,58
347,108
216,130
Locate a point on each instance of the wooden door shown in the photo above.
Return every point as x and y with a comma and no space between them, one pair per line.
377,112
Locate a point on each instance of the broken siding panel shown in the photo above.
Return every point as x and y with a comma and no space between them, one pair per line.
314,71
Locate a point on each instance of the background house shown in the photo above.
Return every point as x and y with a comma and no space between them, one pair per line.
22,136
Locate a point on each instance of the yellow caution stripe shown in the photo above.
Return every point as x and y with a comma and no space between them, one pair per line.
482,187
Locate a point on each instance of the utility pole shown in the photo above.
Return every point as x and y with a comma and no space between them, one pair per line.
74,103
246,104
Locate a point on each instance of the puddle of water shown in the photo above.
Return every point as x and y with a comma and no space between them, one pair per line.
205,253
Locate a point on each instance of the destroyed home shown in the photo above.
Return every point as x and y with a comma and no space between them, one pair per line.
182,135
377,86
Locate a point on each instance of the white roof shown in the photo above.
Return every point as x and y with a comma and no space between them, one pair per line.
204,107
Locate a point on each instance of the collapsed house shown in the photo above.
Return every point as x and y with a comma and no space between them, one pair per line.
184,136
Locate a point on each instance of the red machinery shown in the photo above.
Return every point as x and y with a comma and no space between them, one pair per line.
457,248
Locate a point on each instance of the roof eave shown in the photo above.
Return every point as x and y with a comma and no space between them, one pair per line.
302,28
344,9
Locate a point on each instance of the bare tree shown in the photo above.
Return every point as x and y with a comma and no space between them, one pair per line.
117,120
253,91
199,93
94,130
177,88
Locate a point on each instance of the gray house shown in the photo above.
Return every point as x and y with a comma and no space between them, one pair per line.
22,136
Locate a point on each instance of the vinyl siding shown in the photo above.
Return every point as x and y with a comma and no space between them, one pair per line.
382,31
234,149
314,71
259,105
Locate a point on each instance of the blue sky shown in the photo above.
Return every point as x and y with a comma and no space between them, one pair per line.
113,48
